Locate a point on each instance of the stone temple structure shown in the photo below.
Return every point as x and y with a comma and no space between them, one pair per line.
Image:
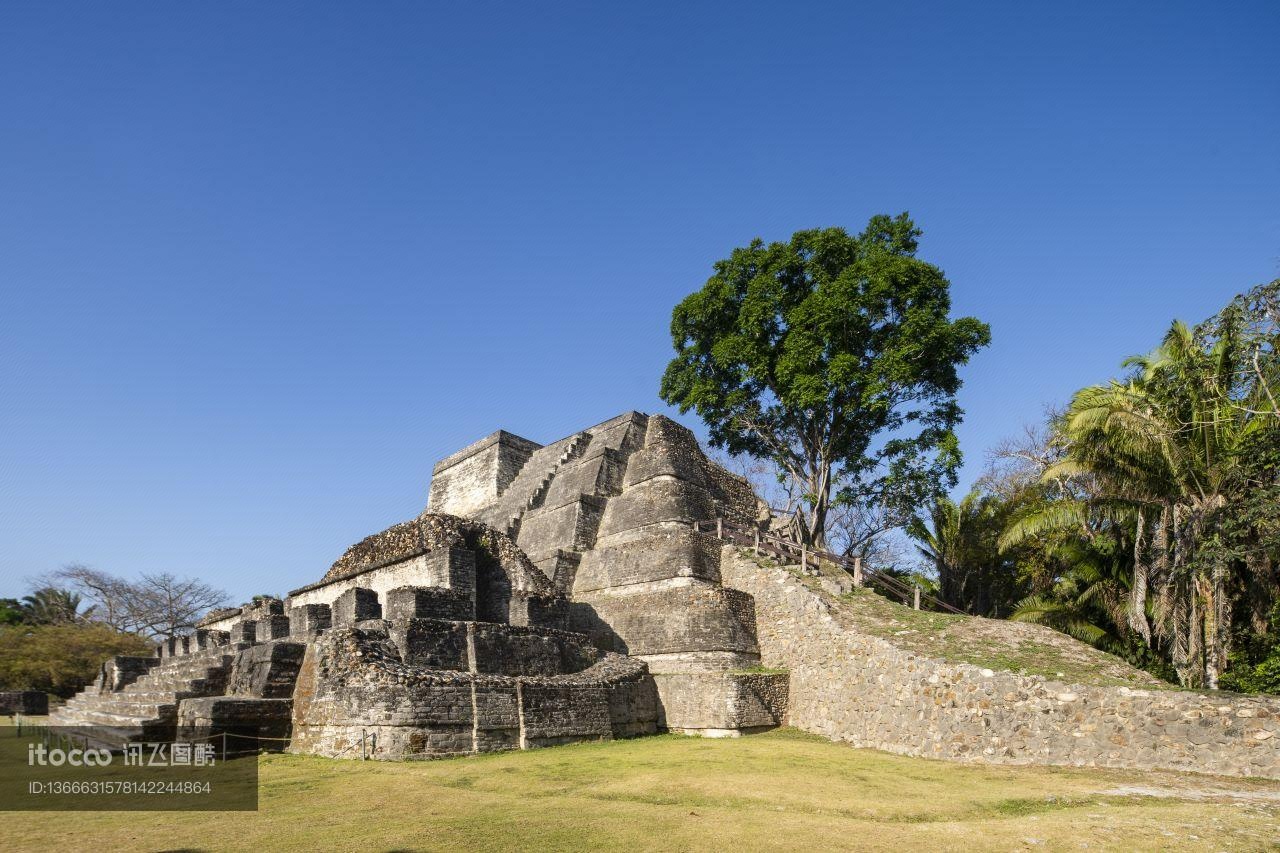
546,594
557,593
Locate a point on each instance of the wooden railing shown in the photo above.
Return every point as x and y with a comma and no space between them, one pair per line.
787,550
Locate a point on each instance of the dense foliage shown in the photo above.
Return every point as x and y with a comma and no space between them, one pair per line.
1146,517
833,357
60,658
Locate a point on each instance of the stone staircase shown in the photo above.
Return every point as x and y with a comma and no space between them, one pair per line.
528,490
146,709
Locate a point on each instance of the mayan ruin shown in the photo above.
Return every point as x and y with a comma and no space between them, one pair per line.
559,593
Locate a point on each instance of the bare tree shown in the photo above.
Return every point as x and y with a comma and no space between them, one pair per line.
156,605
110,595
852,530
166,605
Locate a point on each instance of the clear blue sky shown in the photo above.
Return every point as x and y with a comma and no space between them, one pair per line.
262,264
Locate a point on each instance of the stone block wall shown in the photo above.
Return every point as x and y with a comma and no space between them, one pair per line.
720,704
120,671
266,671
269,719
862,689
418,602
354,684
478,474
33,703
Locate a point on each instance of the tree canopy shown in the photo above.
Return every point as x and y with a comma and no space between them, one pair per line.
1177,473
834,357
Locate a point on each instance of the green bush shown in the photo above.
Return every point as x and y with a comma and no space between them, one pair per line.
60,659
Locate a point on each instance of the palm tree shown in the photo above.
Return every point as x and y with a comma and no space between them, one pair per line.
52,606
958,540
1163,455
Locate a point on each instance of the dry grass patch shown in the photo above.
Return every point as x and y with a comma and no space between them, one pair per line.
780,791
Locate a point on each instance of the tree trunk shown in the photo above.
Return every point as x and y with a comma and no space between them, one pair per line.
1138,592
819,486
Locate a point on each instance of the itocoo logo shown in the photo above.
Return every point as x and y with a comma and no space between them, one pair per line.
39,754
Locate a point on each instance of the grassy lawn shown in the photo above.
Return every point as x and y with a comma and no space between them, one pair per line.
779,791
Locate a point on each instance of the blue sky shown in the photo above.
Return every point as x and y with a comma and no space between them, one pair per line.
262,264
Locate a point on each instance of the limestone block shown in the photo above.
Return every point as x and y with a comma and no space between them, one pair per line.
653,619
655,501
571,527
267,670
424,602
356,605
648,554
272,627
466,481
309,619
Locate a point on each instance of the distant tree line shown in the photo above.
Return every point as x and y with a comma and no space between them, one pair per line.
55,638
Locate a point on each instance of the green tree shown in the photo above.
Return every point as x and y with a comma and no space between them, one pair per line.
11,611
832,356
1166,454
52,606
60,658
961,542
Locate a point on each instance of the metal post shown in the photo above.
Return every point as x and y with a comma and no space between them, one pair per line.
857,571
224,746
917,602
363,753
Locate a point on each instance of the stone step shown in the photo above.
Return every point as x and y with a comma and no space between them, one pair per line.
210,680
190,671
114,738
165,714
155,696
144,710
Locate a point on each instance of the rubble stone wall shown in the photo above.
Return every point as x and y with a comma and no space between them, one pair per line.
853,687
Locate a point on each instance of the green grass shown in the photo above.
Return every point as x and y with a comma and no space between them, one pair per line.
780,791
990,643
995,644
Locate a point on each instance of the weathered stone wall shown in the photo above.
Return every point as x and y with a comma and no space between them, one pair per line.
354,684
862,689
661,619
34,703
264,723
720,704
266,671
120,671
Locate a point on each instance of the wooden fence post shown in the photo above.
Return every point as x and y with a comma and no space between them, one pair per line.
719,527
857,571
917,601
804,559
757,543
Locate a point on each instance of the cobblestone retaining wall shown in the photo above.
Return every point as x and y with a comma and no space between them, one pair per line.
853,687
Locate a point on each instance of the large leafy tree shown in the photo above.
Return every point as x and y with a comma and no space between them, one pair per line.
60,658
834,357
